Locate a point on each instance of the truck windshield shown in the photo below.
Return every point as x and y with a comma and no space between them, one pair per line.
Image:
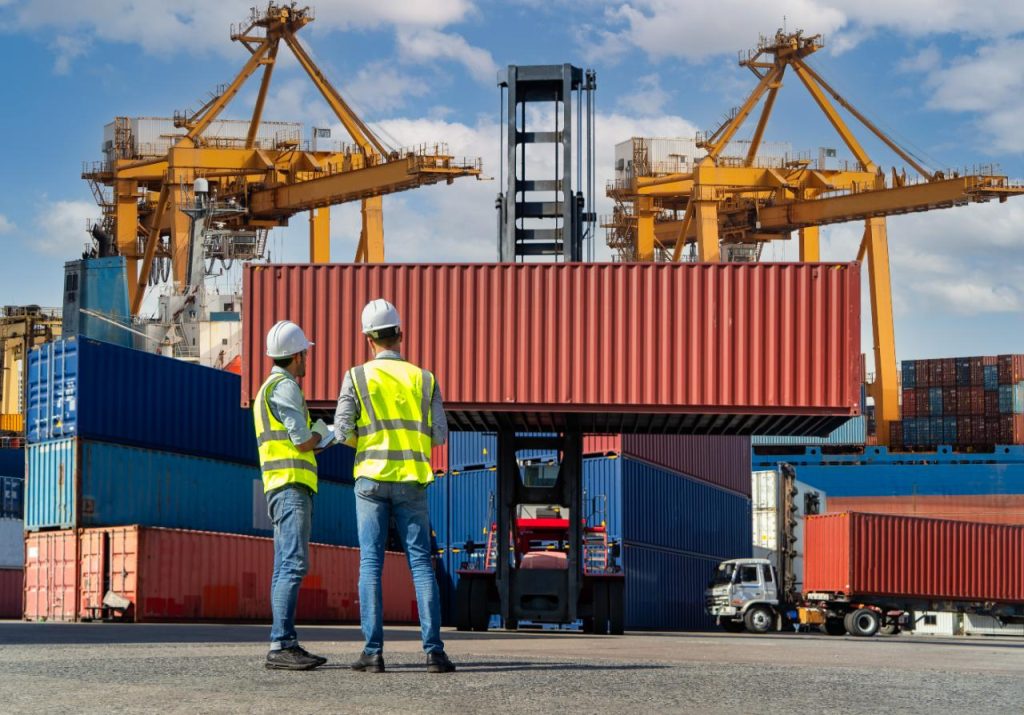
723,574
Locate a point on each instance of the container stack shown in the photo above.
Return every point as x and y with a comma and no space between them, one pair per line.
675,505
12,550
121,439
970,403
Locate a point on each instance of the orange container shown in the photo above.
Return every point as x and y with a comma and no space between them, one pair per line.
12,423
178,575
863,555
987,508
51,575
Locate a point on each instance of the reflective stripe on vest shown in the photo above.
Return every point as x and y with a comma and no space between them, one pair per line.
393,429
280,460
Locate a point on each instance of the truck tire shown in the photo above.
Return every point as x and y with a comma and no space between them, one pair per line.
759,619
464,604
600,595
616,608
863,623
890,629
833,627
732,626
480,615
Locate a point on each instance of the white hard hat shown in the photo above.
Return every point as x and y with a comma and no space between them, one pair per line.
379,316
286,339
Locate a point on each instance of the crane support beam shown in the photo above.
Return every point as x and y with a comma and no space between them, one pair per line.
408,173
752,179
762,122
320,235
261,98
833,116
152,239
721,138
198,125
885,389
810,249
859,206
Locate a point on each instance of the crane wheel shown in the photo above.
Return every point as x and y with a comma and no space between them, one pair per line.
600,590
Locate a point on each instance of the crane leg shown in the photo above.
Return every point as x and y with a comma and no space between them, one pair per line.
644,228
320,235
885,388
371,239
810,249
127,231
708,250
181,236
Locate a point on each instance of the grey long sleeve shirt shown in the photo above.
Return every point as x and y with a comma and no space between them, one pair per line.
289,405
348,411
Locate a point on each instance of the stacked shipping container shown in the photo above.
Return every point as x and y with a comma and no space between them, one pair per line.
969,403
676,505
12,488
120,439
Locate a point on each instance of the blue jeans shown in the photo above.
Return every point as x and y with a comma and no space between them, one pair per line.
291,512
376,502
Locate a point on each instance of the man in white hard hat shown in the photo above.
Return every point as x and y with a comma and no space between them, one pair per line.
287,437
391,411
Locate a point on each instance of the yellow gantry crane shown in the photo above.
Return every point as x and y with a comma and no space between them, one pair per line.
746,200
270,181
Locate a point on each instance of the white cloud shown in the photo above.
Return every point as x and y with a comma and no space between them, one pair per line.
6,225
67,48
695,31
61,227
425,45
381,87
648,99
927,59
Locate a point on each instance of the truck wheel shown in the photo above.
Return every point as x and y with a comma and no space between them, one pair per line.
616,609
464,604
833,627
759,619
600,591
480,616
732,626
890,629
863,623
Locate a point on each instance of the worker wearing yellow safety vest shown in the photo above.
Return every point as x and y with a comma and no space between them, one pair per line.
287,440
391,411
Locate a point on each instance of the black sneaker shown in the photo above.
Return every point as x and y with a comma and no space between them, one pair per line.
439,663
293,658
369,663
317,657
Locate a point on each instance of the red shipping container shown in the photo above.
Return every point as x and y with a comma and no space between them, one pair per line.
991,403
51,575
1011,369
909,402
975,402
12,592
177,575
993,430
922,373
648,347
1011,429
923,403
950,401
977,371
439,459
722,461
896,434
948,367
986,508
882,555
964,431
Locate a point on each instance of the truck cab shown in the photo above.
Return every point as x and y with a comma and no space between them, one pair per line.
744,594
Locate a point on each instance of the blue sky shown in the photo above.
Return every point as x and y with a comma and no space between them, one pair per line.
943,75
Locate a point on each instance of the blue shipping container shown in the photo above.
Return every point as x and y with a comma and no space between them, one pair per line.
991,377
854,431
12,462
99,285
909,370
12,497
949,430
1011,399
78,483
935,401
665,588
96,391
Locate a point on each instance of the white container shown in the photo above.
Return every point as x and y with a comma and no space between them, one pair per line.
153,136
975,625
12,544
938,623
764,499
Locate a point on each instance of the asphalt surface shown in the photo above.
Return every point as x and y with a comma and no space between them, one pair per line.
115,668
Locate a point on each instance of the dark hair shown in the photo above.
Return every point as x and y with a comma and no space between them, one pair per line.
388,341
284,362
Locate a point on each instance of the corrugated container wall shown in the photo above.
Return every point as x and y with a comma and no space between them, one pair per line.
987,508
12,462
162,403
12,592
762,348
99,285
665,589
12,543
910,557
854,431
51,576
174,575
12,497
78,483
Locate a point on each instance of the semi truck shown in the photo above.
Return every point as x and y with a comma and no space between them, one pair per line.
866,574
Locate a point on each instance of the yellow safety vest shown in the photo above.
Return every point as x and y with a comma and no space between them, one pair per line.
280,460
393,429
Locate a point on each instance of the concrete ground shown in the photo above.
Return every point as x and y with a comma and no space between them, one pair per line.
114,668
